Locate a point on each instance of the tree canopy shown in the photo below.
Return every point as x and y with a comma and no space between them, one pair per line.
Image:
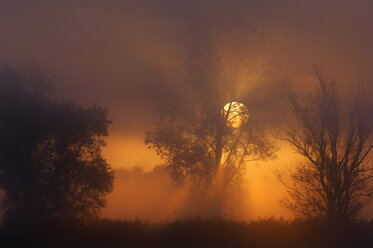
195,137
51,166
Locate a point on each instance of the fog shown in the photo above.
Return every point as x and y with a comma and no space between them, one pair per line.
127,57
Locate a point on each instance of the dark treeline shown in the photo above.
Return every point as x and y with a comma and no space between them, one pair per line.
197,232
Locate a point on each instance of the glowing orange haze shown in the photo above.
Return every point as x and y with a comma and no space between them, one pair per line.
151,196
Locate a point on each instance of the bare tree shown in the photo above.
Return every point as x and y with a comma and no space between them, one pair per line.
335,180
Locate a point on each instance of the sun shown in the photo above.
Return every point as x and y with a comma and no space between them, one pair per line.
236,114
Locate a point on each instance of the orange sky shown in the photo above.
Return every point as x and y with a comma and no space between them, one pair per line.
125,56
124,151
154,198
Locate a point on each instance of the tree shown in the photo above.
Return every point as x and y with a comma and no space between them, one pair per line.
335,181
195,137
50,152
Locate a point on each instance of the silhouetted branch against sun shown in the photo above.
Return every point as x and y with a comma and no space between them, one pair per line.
212,143
236,114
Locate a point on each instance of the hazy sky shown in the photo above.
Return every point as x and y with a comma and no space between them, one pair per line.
106,52
123,55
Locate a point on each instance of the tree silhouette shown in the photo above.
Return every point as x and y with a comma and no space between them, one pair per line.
335,182
50,153
195,138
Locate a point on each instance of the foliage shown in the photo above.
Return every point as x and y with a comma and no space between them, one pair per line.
195,138
50,152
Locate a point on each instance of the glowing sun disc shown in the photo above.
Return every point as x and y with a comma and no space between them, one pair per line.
236,114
